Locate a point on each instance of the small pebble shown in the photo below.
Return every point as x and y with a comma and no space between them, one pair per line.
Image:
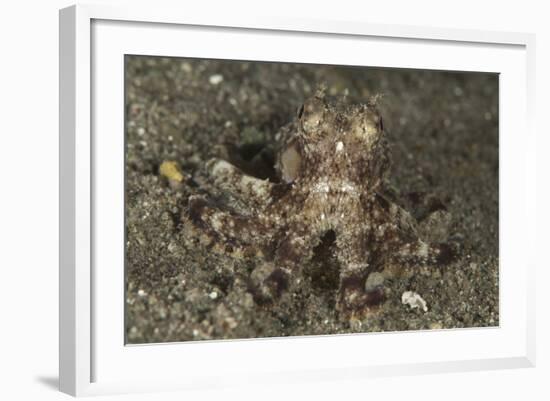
172,173
436,326
374,280
141,293
215,79
231,323
355,324
213,295
170,170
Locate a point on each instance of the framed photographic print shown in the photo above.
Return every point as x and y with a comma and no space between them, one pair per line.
250,200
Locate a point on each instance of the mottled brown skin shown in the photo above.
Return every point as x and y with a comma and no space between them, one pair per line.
333,161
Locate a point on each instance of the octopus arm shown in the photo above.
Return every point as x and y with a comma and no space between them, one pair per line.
230,178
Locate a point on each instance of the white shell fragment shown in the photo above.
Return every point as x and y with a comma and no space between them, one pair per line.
414,300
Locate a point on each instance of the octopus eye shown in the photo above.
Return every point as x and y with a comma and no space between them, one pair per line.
311,114
301,111
381,124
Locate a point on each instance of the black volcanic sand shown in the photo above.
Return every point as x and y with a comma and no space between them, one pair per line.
443,129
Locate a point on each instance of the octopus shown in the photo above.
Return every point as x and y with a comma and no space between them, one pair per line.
332,164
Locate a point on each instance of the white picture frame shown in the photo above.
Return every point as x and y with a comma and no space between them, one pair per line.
94,360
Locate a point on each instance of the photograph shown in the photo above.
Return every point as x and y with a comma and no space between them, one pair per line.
274,199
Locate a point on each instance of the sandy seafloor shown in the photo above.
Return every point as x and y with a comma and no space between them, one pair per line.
443,130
